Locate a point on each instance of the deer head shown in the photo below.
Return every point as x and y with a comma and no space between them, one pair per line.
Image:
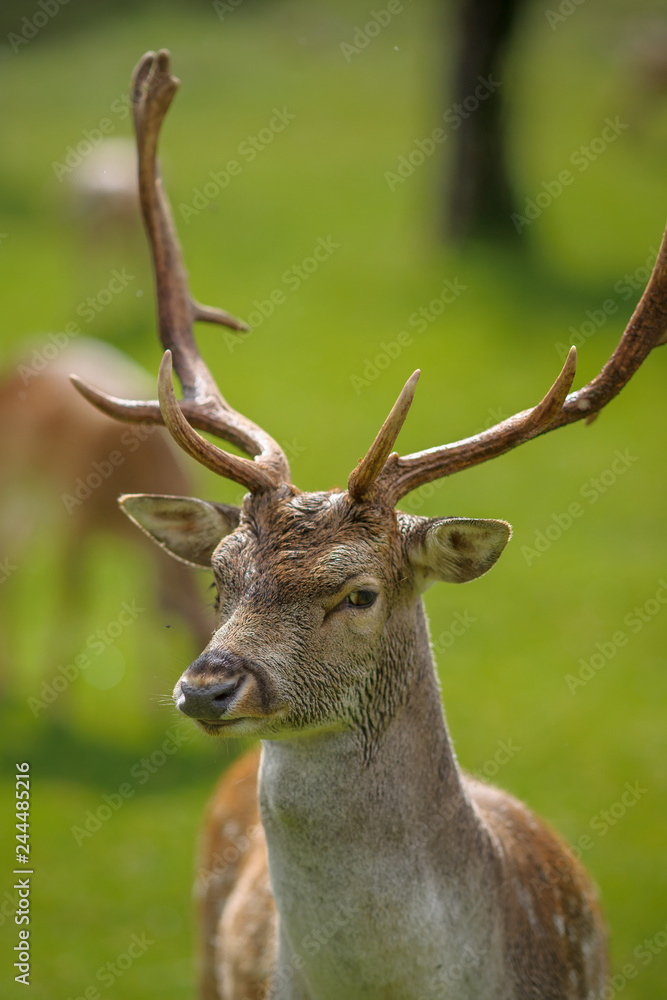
318,593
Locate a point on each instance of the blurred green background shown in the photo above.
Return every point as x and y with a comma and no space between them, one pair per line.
491,351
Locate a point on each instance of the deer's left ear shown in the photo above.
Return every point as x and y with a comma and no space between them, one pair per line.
457,549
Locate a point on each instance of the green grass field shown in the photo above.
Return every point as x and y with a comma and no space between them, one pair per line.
308,372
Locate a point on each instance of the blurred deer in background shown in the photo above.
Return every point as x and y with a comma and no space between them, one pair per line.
60,471
54,450
379,868
104,196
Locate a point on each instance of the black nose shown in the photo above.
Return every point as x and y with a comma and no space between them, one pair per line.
208,702
210,699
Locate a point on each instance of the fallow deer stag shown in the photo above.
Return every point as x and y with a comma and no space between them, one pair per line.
379,869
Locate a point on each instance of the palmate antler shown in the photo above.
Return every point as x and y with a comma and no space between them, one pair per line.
380,476
202,406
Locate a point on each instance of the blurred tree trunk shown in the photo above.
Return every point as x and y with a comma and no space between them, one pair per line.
479,199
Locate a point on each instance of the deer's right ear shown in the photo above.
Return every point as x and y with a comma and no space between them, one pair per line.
187,528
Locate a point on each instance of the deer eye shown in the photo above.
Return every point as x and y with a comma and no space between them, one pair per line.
360,598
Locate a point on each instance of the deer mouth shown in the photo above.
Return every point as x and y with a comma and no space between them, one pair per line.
242,725
213,727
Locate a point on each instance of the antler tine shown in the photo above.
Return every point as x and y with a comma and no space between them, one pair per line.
647,329
148,412
369,468
241,470
409,472
153,89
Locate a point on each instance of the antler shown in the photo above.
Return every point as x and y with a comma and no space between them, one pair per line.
647,329
153,89
369,468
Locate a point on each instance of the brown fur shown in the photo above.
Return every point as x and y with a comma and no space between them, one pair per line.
382,785
547,889
233,857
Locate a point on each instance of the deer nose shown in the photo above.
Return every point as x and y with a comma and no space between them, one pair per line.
210,699
209,702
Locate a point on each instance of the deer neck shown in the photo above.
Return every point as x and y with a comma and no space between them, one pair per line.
361,846
397,758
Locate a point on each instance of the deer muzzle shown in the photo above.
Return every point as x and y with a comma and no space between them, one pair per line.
213,685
